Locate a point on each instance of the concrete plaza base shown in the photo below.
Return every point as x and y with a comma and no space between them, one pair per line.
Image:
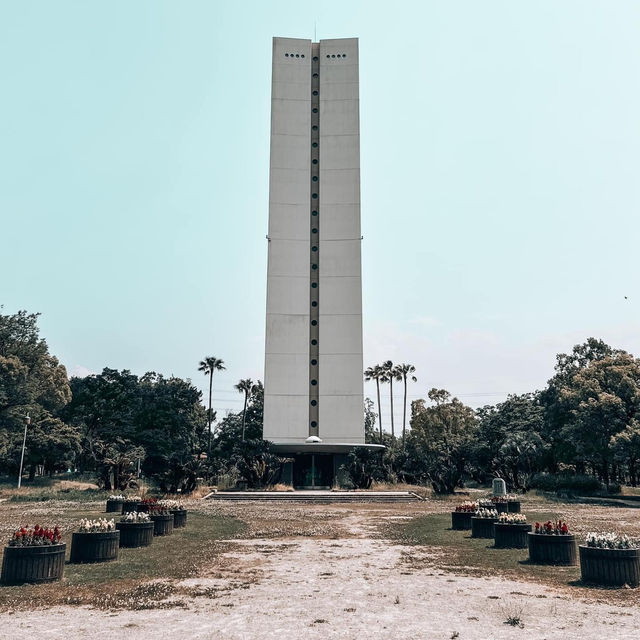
316,496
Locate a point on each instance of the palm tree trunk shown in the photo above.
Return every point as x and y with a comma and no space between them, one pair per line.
404,413
393,434
210,390
244,412
379,409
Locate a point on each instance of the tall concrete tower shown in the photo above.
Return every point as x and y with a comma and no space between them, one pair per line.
313,361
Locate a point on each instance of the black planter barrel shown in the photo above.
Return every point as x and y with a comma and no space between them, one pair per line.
513,506
129,506
511,536
461,520
100,546
179,518
552,549
114,506
162,524
501,507
135,534
482,527
33,564
610,567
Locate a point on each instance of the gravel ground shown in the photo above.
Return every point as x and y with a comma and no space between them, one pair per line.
306,571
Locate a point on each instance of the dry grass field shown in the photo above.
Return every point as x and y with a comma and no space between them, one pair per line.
264,570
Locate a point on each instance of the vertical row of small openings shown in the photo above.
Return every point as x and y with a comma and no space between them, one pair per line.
314,257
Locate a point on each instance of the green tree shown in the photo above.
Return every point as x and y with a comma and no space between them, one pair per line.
32,381
208,366
626,450
376,373
169,422
118,413
252,458
509,442
118,460
406,372
439,443
389,374
229,432
556,409
601,400
369,421
52,443
247,387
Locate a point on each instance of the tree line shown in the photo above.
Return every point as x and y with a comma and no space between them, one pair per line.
581,431
114,424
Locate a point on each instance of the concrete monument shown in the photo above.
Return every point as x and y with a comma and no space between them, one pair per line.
313,406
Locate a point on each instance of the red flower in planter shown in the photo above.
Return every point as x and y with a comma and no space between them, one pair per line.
37,536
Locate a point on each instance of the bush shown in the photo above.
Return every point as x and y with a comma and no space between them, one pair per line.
614,488
573,484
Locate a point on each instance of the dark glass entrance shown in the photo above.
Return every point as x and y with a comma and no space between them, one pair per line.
313,471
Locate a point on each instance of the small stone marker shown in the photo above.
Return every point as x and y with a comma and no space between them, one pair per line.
499,487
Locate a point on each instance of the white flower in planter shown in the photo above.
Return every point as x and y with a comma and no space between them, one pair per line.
512,518
601,540
96,526
486,513
134,516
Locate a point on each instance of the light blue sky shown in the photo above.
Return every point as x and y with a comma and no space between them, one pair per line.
500,181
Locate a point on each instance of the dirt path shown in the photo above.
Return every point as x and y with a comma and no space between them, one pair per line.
352,586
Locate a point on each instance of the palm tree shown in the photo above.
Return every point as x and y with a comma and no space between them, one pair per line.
390,374
208,366
376,373
406,372
247,387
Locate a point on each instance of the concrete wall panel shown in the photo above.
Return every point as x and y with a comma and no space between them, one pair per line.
340,186
288,258
291,117
339,375
288,374
340,334
340,152
293,91
290,221
341,419
339,90
340,258
340,296
288,334
288,295
289,186
340,221
285,418
339,117
290,152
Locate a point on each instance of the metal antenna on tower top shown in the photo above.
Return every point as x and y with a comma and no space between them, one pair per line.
315,29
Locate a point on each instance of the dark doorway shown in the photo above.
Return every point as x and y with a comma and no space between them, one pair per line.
313,471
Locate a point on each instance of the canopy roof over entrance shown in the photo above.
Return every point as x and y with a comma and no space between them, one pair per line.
322,447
